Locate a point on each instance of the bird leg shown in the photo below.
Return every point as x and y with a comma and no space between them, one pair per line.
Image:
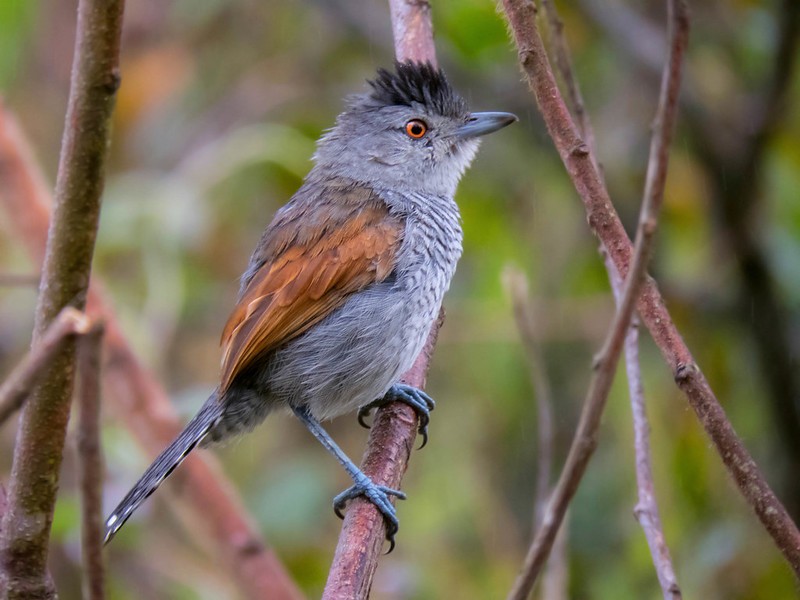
363,485
414,397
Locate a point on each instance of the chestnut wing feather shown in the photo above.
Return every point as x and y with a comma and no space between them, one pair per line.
310,267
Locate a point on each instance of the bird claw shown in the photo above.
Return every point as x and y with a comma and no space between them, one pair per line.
421,402
379,496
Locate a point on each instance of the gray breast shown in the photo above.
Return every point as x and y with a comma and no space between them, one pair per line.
356,353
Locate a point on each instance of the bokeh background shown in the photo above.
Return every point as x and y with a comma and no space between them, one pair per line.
220,104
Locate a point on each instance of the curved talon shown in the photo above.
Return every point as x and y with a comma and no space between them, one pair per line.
421,402
379,496
364,411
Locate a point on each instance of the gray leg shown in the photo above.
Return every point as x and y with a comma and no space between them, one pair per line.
363,485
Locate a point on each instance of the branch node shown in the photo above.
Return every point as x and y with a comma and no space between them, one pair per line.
685,371
579,150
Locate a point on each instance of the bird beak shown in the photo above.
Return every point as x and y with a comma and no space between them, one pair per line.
482,123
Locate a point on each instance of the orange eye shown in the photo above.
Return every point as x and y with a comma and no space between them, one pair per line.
416,128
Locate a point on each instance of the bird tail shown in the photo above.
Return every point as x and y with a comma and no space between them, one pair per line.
165,464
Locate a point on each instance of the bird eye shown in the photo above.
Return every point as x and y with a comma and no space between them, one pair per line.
416,128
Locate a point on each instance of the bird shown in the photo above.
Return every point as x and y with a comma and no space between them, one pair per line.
347,280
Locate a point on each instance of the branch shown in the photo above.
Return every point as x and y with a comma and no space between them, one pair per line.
18,385
90,463
394,428
65,279
139,398
585,440
412,29
605,223
646,510
564,65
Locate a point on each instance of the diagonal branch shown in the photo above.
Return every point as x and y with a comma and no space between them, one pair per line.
395,426
585,440
65,280
605,223
18,385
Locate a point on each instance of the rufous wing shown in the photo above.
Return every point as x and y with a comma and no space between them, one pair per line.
311,264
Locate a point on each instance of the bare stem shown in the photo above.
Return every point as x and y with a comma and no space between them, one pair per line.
413,30
646,510
65,280
563,60
605,223
140,399
90,463
394,428
23,378
585,440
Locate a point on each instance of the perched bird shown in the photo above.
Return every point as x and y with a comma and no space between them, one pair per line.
347,279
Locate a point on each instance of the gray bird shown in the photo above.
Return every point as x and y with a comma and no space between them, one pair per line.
347,279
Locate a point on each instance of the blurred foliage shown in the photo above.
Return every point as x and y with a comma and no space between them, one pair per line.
219,108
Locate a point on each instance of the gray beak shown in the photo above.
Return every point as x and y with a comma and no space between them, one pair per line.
481,123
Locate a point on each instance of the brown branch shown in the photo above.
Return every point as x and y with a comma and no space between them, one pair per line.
733,150
585,440
18,385
646,509
385,461
605,223
563,60
65,279
395,426
517,287
90,463
412,29
139,398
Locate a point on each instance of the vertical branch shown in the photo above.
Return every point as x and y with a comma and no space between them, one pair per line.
394,428
138,397
412,29
646,509
585,440
90,463
65,279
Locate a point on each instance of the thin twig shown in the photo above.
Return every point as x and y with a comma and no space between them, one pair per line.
646,509
140,399
65,280
18,385
605,223
517,287
394,428
563,61
585,439
90,463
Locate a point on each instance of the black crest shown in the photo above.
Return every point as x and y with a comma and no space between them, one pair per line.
420,83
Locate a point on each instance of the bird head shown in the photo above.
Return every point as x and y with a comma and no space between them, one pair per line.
412,132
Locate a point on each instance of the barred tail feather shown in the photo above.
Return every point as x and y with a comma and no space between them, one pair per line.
164,465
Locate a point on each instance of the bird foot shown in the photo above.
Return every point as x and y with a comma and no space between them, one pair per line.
415,398
379,496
